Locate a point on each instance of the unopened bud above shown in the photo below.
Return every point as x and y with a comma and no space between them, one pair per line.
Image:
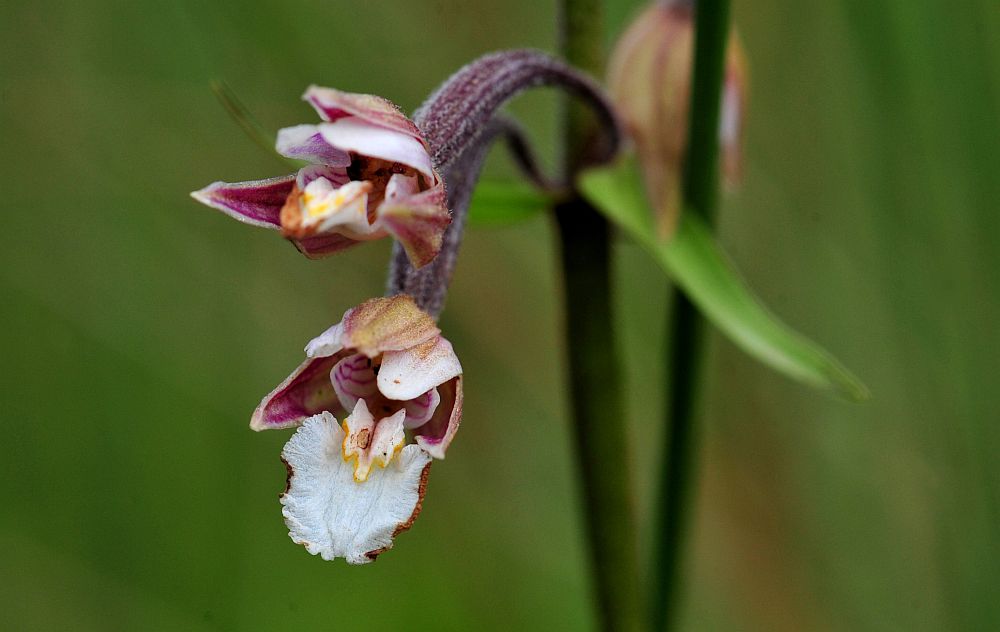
650,82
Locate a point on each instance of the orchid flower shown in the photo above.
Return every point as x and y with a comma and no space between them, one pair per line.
386,372
370,176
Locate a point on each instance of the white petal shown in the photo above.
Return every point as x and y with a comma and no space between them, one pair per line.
333,516
304,142
411,372
388,439
400,186
343,209
353,134
420,410
327,343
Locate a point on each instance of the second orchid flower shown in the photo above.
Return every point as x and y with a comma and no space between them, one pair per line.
370,176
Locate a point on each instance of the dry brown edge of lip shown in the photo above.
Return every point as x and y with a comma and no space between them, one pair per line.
289,473
404,526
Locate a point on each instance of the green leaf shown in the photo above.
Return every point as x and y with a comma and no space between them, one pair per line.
694,261
505,203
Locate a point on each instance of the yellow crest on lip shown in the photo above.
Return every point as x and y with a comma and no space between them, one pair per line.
368,441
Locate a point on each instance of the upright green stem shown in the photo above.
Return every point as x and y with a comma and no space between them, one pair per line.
685,328
597,404
701,164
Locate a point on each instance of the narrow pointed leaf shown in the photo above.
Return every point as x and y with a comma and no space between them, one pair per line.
248,123
505,203
695,262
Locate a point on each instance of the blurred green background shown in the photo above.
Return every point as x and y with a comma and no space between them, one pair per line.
140,330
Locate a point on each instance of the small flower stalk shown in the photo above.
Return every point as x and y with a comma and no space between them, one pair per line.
379,395
649,79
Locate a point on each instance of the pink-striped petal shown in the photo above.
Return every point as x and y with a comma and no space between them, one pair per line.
333,105
320,246
257,202
353,379
336,175
435,436
307,391
421,409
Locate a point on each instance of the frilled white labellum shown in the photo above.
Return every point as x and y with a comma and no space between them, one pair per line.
331,514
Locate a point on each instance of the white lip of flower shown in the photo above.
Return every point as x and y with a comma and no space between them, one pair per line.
332,515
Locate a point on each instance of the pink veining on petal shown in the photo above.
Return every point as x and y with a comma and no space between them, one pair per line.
257,202
320,246
435,436
307,391
332,105
336,175
353,378
421,409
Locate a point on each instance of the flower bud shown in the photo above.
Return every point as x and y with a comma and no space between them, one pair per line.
650,82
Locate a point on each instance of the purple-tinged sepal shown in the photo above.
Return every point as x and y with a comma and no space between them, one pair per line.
333,105
257,202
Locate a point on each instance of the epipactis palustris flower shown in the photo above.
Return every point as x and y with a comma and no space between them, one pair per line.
370,176
388,373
